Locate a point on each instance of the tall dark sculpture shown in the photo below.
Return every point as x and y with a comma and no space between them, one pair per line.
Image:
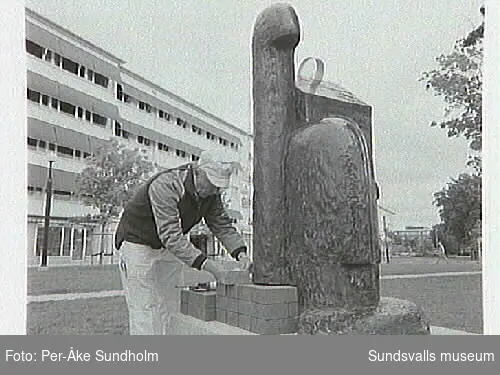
315,212
275,36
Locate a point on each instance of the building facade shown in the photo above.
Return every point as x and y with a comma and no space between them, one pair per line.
413,239
80,97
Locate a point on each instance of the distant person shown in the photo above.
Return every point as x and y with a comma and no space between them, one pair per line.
152,236
442,253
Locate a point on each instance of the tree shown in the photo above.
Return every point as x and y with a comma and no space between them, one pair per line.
459,206
477,34
459,80
443,235
110,178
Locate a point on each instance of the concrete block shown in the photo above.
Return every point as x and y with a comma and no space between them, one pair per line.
221,303
220,290
184,296
200,305
202,298
265,326
210,315
273,326
289,325
232,318
195,310
225,290
192,297
207,315
271,311
221,315
246,307
184,308
235,277
192,309
226,303
201,313
269,294
231,304
244,321
243,278
293,309
245,292
210,301
232,291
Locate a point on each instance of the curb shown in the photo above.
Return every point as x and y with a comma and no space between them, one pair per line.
442,331
432,274
74,296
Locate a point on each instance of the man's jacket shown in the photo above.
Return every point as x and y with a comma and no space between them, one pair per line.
166,207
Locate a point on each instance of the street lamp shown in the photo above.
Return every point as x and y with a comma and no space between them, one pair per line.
46,223
385,240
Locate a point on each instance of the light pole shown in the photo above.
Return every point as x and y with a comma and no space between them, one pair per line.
46,223
385,240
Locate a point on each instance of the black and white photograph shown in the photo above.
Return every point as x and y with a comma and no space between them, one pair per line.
252,168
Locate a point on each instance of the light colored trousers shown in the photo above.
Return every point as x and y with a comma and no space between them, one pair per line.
149,279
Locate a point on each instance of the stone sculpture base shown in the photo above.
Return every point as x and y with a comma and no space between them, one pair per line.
391,317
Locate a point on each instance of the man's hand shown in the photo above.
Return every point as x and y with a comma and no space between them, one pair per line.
215,268
244,261
227,272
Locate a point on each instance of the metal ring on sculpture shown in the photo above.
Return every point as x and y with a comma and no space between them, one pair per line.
319,71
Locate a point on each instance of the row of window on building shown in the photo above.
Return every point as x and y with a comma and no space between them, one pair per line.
60,150
99,79
144,106
69,65
75,153
57,192
98,119
66,107
120,132
66,241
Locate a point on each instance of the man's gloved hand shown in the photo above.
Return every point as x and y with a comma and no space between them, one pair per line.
244,261
215,268
229,272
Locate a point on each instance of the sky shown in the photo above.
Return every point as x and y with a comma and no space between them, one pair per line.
378,50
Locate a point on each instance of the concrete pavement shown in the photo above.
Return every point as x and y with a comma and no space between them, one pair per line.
435,330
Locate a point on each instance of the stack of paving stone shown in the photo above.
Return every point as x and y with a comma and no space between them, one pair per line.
266,310
201,304
198,304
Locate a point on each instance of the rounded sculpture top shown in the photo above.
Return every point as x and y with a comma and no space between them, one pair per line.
278,26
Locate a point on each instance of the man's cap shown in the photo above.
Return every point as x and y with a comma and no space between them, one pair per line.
219,165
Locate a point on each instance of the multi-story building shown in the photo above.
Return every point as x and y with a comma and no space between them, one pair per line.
414,238
79,97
